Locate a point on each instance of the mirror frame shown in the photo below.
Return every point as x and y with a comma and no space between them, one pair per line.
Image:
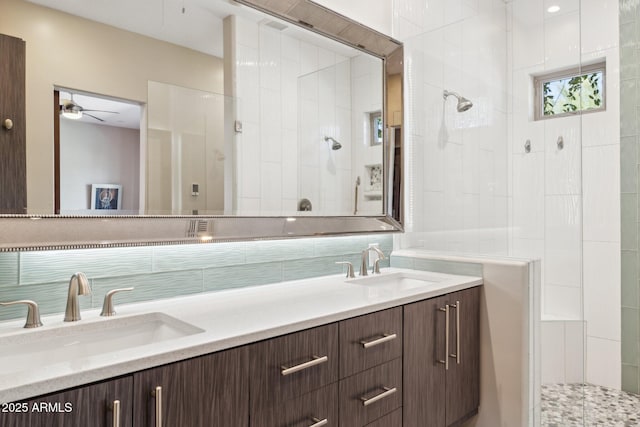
57,232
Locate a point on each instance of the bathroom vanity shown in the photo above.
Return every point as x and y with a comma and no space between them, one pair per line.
396,349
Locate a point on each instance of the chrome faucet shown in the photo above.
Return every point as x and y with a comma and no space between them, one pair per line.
376,266
78,285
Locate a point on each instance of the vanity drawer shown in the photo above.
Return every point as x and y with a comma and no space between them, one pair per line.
304,411
369,395
393,419
370,340
289,366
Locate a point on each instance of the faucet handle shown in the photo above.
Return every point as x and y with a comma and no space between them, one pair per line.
33,313
107,306
376,266
350,273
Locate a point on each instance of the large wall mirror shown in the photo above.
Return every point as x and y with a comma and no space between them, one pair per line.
179,121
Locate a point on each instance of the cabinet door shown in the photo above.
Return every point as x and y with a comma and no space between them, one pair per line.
13,169
423,373
80,407
463,376
204,391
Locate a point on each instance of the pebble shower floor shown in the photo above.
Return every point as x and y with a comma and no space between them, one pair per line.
586,405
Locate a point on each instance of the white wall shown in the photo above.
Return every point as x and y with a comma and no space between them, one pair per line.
96,154
566,206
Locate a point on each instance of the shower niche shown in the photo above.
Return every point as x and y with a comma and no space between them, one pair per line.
373,182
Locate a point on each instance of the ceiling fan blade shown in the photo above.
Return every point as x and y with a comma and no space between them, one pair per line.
102,111
92,116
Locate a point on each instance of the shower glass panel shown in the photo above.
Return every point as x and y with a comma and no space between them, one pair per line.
548,201
190,152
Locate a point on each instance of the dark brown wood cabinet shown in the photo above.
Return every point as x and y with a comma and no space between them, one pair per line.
393,419
286,367
418,378
370,340
441,374
371,394
320,407
13,163
91,405
200,392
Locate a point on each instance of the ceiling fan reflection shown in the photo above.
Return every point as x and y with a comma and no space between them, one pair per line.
71,110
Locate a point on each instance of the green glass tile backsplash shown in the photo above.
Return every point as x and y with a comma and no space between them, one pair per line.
167,271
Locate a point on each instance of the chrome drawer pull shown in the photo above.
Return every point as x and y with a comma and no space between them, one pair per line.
116,413
157,393
446,337
457,353
374,342
386,393
318,422
287,370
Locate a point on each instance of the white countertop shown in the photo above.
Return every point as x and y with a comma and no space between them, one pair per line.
228,319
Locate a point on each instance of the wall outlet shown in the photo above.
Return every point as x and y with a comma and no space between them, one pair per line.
373,256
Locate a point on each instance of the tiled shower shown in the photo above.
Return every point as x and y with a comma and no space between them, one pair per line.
495,181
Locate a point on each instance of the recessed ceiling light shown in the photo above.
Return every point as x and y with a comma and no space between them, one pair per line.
553,9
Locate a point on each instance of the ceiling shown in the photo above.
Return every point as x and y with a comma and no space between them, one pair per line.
195,24
198,27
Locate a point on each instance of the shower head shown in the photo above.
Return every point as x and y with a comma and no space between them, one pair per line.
463,103
336,145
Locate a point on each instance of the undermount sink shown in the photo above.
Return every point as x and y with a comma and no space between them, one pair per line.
397,280
80,340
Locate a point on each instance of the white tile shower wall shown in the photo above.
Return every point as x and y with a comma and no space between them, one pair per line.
366,93
565,364
457,163
284,118
267,67
565,203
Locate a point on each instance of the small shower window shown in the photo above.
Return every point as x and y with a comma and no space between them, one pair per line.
580,89
376,128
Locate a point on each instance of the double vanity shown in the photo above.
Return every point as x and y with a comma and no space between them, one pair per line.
400,348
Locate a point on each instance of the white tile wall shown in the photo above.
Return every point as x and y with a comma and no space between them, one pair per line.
268,66
458,161
604,362
601,187
599,19
563,351
553,362
602,289
562,41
